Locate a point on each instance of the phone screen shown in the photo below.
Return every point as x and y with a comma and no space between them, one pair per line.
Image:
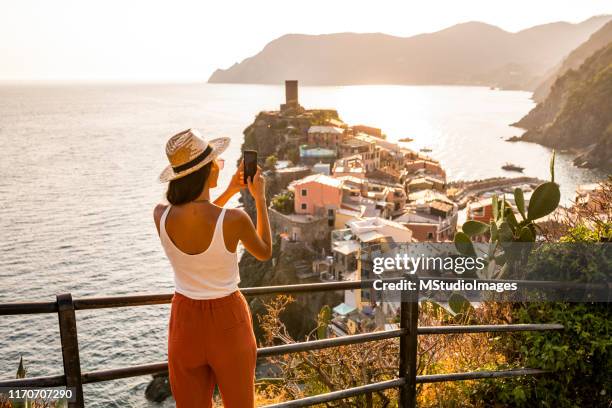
250,164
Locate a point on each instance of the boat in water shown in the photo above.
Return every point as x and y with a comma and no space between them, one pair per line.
513,167
406,139
425,150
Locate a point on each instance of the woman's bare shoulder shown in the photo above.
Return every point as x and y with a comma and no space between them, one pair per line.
158,211
236,215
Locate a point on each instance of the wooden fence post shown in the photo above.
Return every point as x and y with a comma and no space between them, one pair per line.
70,348
409,316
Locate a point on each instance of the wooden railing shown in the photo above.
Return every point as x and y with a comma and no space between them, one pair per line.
65,307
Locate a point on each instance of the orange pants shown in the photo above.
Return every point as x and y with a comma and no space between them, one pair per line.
211,342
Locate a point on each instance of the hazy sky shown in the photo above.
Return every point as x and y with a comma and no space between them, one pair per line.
187,40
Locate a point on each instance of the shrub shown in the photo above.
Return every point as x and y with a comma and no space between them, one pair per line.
580,356
284,202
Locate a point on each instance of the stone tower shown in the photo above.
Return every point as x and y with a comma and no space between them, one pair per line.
291,96
291,92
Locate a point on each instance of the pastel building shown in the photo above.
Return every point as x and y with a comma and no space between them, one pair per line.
481,210
387,199
349,166
310,155
366,149
326,136
425,183
382,143
347,246
317,194
431,221
425,166
376,228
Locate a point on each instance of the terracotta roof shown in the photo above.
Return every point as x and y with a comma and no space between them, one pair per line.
319,178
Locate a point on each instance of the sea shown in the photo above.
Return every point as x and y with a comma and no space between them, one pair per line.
78,183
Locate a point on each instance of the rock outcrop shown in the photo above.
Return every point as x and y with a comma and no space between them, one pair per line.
279,134
471,53
575,59
577,114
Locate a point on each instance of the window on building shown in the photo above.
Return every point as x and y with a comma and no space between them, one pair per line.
304,192
304,206
430,236
478,212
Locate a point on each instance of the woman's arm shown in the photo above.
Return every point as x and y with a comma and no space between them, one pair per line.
157,214
257,241
235,185
225,196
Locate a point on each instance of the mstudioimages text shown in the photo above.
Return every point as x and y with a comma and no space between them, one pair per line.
441,285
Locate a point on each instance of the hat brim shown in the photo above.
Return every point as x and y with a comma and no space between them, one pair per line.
219,145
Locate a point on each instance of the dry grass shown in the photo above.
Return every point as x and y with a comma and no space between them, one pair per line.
343,367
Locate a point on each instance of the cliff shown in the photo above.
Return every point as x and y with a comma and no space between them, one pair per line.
574,60
471,53
279,134
576,114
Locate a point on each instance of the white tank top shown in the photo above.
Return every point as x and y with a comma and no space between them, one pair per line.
208,275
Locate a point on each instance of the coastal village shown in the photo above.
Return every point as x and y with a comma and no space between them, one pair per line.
335,186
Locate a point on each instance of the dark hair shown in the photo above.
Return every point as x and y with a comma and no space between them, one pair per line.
189,187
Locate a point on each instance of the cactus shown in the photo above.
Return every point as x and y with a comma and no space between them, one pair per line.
458,311
505,230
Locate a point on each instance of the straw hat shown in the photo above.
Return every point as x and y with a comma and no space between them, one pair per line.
187,152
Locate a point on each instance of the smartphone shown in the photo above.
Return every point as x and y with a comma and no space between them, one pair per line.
250,164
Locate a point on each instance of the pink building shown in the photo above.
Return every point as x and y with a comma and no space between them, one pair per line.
317,194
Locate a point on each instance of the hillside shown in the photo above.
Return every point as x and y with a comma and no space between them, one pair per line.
576,114
598,40
470,53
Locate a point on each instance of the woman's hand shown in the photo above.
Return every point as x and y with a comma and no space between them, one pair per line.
257,187
237,182
257,241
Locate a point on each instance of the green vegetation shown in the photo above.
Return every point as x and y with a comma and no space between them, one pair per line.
574,60
576,114
580,356
322,116
284,202
508,235
293,154
270,163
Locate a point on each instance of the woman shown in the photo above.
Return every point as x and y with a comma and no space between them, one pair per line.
210,338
